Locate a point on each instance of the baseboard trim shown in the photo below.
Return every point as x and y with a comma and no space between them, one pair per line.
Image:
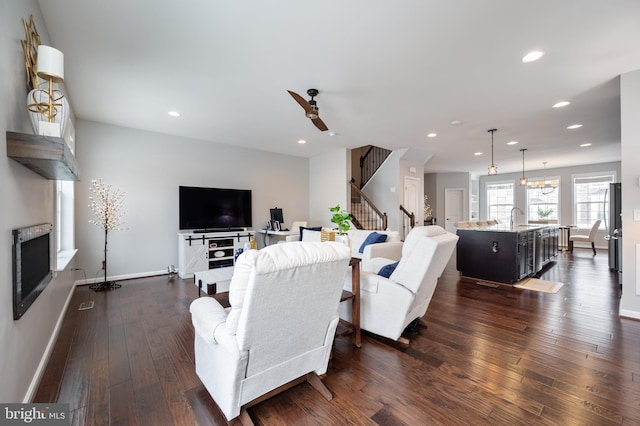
120,277
625,313
35,381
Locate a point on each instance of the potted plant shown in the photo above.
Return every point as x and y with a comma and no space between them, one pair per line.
544,214
342,220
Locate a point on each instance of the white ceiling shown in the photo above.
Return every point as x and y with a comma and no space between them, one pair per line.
388,72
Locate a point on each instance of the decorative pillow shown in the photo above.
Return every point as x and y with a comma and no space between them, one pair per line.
313,236
372,238
387,270
313,228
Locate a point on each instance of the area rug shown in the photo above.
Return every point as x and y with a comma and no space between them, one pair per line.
536,284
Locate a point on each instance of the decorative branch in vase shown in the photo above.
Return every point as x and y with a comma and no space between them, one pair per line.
428,214
106,204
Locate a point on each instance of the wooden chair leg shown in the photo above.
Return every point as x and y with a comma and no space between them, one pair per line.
404,342
317,384
593,247
244,418
570,246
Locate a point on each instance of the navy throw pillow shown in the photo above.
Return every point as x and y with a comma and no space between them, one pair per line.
314,228
372,238
387,270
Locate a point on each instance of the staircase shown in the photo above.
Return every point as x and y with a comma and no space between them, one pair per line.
370,162
364,214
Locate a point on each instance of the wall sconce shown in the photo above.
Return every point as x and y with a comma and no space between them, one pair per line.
48,107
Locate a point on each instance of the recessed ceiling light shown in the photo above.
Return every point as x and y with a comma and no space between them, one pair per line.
455,122
302,141
561,104
582,145
332,134
574,126
432,135
477,153
532,56
512,143
174,113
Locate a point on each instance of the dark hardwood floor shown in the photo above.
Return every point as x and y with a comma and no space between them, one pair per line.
489,356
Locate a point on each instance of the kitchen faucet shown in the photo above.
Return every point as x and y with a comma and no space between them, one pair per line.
511,215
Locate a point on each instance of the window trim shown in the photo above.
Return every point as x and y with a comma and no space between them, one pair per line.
511,182
585,176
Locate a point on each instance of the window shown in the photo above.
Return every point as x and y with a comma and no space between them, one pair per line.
500,201
64,216
542,202
591,199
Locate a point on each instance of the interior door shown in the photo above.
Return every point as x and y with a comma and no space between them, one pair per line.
411,200
453,207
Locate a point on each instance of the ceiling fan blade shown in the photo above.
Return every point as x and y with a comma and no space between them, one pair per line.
302,101
319,124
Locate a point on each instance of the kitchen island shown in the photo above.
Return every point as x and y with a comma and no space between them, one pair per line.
505,254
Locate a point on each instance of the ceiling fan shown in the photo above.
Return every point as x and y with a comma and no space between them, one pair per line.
310,108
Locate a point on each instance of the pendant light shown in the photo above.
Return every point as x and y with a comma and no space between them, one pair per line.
523,179
493,168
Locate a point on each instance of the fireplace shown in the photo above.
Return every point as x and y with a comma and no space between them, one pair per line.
31,265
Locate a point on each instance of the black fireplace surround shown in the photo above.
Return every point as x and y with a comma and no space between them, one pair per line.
31,265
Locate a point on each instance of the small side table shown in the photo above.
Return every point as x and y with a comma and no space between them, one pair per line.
213,281
354,296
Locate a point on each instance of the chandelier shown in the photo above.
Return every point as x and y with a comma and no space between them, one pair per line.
545,186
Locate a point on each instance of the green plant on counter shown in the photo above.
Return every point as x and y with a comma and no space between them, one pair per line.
544,214
341,218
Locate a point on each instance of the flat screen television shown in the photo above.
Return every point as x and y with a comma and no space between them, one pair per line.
214,209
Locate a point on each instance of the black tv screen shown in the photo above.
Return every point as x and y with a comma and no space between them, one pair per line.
214,209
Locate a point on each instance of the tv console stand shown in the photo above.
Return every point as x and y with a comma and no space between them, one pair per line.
211,231
209,250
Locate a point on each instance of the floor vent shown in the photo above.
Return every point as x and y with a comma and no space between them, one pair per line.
86,305
486,284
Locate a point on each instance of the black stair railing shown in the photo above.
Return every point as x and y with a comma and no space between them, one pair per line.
365,214
370,162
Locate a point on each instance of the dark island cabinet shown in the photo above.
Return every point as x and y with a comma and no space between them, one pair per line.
504,255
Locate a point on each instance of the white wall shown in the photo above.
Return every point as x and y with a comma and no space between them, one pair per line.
329,176
27,199
149,167
629,113
451,181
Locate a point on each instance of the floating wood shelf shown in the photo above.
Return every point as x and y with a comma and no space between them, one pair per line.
48,156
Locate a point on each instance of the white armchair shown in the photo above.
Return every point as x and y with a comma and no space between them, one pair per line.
389,305
280,327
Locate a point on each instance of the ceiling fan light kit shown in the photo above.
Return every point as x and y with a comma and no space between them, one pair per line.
310,108
493,168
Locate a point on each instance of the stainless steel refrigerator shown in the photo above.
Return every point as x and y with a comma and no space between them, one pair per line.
614,227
